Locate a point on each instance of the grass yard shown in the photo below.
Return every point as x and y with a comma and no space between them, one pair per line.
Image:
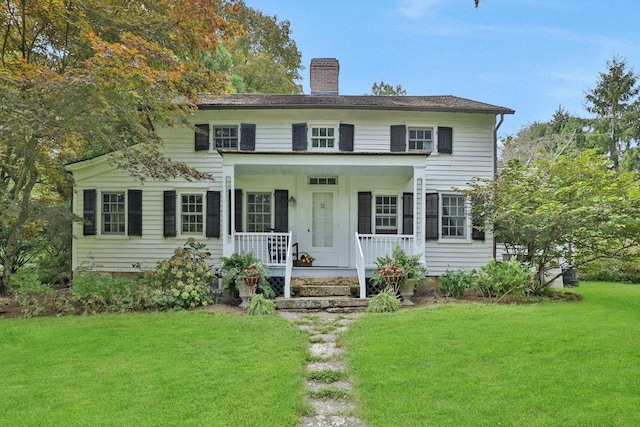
184,368
549,364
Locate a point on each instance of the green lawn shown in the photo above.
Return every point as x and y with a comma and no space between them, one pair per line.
549,364
185,368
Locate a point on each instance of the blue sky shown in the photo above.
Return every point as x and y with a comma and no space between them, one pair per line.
528,55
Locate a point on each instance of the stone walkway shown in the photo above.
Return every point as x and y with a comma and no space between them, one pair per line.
329,389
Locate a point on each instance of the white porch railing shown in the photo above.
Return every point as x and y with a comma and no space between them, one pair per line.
360,268
380,245
273,249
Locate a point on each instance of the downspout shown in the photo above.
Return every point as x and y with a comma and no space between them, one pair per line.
495,164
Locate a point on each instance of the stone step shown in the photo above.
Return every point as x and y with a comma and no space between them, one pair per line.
322,290
344,304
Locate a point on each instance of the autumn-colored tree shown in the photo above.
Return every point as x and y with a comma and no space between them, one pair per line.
87,77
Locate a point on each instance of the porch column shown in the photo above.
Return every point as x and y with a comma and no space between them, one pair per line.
419,212
228,204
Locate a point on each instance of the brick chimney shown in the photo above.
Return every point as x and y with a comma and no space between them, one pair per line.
324,76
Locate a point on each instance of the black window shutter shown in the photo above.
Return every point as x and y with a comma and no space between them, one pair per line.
248,137
170,213
407,213
477,222
299,136
445,140
213,214
89,212
431,231
364,212
281,211
238,210
398,138
202,138
346,137
134,212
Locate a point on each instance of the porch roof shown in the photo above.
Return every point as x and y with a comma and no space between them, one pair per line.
333,163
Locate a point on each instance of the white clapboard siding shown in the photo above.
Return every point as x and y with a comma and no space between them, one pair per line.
472,156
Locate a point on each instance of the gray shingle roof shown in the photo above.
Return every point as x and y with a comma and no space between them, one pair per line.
445,103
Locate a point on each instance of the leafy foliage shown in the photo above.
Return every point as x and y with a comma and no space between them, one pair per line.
409,266
502,278
384,89
35,297
384,302
260,306
185,280
453,283
573,209
99,293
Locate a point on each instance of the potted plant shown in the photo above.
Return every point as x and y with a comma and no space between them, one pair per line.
306,260
236,267
412,268
391,275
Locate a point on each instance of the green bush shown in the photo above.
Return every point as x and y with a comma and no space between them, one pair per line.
35,297
260,306
501,278
185,280
612,270
97,293
453,283
384,302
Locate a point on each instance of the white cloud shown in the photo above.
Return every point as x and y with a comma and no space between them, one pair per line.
413,9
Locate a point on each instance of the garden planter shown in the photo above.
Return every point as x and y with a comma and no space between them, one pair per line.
407,287
246,289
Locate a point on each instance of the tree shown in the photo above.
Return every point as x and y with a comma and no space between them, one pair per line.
564,134
384,89
614,100
265,56
574,208
89,77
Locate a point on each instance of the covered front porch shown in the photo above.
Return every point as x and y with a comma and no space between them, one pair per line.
345,210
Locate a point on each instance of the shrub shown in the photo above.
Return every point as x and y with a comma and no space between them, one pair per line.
613,270
502,278
260,306
185,280
453,283
97,293
384,302
36,298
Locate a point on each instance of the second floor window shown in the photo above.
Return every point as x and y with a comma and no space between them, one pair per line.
323,137
225,136
420,139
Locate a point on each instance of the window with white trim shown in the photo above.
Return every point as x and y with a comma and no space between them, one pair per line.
225,136
386,214
323,137
420,139
258,212
454,217
192,213
113,213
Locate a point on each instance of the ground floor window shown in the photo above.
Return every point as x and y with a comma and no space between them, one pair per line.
113,213
386,214
192,213
258,212
454,217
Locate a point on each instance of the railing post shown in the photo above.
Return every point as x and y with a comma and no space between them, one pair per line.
287,268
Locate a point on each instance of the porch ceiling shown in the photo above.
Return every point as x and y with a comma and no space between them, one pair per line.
361,164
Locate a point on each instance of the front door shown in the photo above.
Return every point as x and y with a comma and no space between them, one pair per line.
323,228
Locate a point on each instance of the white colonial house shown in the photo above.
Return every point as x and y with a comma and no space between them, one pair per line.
343,178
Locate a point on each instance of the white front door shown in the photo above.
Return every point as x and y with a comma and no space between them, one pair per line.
323,228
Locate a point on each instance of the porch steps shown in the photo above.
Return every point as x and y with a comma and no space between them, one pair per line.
333,304
332,294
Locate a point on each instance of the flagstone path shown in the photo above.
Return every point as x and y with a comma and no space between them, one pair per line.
328,387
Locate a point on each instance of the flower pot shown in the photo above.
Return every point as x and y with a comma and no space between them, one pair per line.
246,289
407,287
305,263
393,282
